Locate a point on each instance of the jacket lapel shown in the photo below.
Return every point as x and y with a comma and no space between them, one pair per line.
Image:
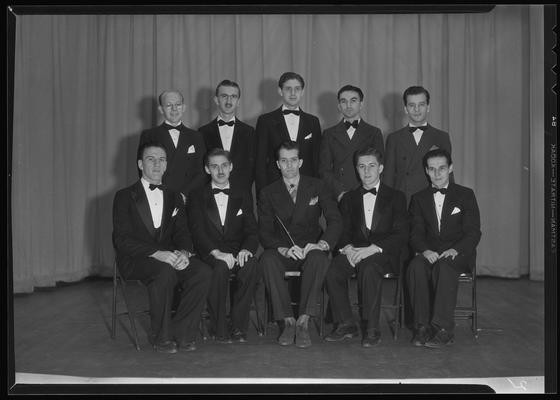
448,202
235,139
283,201
168,207
141,201
359,205
380,203
281,122
234,204
212,209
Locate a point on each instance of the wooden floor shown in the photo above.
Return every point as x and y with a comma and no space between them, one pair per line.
65,331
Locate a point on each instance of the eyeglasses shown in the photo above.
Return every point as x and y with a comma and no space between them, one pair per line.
172,106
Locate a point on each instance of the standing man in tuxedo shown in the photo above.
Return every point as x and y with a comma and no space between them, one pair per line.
225,235
406,147
340,142
289,212
375,230
185,147
153,244
287,123
444,234
227,132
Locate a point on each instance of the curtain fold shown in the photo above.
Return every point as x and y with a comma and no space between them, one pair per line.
86,86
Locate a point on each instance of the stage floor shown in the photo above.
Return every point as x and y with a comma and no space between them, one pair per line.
62,335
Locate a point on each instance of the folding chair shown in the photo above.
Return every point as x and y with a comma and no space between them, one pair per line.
120,282
469,312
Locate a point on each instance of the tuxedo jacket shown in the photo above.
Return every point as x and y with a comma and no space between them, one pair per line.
185,164
134,234
389,225
460,221
243,148
240,227
271,131
403,168
336,158
300,219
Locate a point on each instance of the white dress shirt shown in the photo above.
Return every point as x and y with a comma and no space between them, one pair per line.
174,133
226,133
155,200
439,198
418,133
369,205
292,122
222,202
350,131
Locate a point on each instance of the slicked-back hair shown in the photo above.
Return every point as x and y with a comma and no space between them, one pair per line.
145,145
287,145
160,97
415,90
368,151
350,88
437,153
216,151
286,76
227,82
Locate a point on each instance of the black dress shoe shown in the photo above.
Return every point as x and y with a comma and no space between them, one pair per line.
238,336
223,339
421,336
287,336
187,345
302,336
343,331
372,338
441,339
167,346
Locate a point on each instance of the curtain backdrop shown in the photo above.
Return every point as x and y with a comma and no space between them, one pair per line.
86,85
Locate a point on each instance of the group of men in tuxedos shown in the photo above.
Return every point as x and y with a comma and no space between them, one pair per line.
176,228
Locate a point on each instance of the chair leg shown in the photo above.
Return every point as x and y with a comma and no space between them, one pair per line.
398,308
130,313
322,315
114,305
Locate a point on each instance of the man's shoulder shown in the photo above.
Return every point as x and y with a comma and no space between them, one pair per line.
398,132
270,115
331,130
126,191
437,130
243,127
392,192
461,190
208,127
154,130
369,127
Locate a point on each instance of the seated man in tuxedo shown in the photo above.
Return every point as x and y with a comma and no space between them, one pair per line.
228,132
289,212
406,147
444,234
153,244
375,230
340,142
185,147
287,123
225,235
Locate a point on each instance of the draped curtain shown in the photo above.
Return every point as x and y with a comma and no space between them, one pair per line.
86,85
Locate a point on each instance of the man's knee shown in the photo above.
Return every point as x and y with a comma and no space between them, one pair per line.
166,275
269,259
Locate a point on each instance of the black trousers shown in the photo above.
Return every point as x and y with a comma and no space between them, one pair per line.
313,268
246,279
161,279
433,289
369,276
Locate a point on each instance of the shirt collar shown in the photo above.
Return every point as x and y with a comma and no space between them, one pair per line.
416,126
288,184
221,119
174,126
286,108
214,186
376,186
145,183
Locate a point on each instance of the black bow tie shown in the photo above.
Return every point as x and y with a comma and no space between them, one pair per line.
349,124
160,187
413,128
372,191
221,122
216,191
295,112
168,127
442,190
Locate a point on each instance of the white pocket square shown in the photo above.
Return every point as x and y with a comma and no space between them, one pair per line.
434,147
240,212
191,149
313,201
307,137
455,211
175,211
